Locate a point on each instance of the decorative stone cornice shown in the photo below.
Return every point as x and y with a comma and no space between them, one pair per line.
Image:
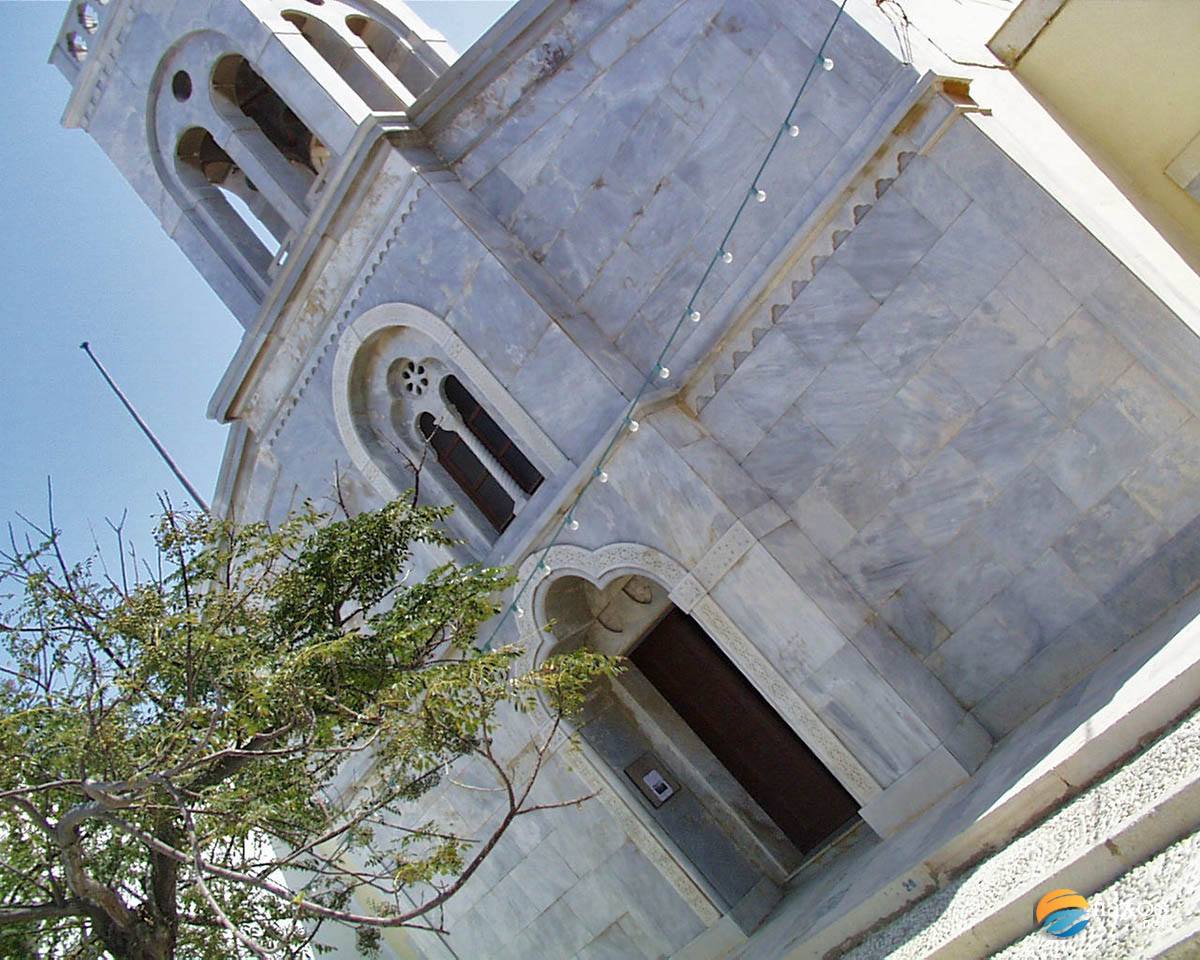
932,105
341,319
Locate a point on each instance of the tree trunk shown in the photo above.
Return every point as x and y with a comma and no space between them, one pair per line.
141,942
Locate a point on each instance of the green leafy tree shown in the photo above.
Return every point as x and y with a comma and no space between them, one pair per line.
176,743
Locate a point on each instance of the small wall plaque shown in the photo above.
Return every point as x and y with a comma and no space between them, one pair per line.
654,781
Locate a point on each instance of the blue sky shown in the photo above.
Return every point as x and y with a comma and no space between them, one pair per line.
82,259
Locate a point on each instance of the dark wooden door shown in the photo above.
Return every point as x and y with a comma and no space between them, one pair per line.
743,731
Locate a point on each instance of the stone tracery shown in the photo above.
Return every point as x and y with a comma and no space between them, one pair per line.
410,387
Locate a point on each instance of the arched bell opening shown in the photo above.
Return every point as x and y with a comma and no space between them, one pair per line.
238,209
336,51
465,468
691,742
395,52
238,86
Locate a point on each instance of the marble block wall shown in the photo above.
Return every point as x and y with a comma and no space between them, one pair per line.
983,431
434,261
573,881
619,147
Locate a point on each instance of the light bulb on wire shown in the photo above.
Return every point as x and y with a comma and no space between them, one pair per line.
694,316
794,130
664,373
727,256
633,425
827,64
760,195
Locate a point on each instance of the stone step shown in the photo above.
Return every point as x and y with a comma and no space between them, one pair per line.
1136,813
1153,911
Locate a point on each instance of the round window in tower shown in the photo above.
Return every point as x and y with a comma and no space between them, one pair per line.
77,46
181,86
87,17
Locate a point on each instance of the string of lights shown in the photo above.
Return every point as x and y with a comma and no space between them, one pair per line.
690,315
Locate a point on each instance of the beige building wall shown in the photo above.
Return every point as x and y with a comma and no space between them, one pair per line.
1123,77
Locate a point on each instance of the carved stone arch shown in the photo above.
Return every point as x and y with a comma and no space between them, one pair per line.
426,336
177,104
601,566
598,567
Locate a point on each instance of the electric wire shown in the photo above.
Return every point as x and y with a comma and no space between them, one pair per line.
627,422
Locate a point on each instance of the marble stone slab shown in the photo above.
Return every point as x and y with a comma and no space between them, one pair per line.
926,413
1007,433
1168,483
828,312
847,694
888,243
933,194
882,557
1041,298
789,457
1148,404
991,345
905,331
845,397
946,493
961,578
913,621
864,476
1026,518
1079,361
818,578
771,378
912,680
969,259
721,472
1089,459
1110,541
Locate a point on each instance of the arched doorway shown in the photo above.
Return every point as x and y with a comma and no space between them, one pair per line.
697,749
743,731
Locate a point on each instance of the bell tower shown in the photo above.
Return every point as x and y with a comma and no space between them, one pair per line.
228,116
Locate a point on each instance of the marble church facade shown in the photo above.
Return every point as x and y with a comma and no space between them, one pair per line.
925,471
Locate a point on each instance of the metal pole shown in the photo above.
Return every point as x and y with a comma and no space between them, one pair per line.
192,492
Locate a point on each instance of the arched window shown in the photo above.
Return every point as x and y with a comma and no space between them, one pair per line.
489,433
243,213
394,52
469,445
238,84
345,61
406,392
472,477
